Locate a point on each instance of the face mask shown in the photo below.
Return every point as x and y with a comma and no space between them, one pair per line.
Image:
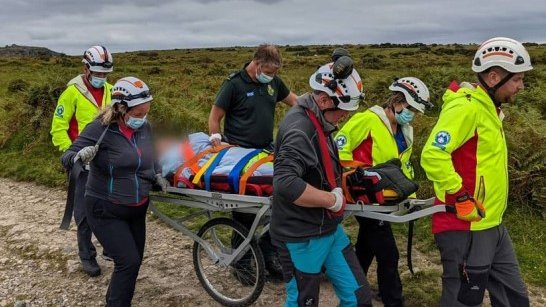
135,122
263,78
97,82
404,117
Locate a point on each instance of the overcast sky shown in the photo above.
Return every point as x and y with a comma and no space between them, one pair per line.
70,26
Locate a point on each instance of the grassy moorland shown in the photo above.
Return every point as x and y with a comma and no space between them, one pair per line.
184,83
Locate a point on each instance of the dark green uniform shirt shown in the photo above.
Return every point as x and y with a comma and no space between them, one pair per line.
250,109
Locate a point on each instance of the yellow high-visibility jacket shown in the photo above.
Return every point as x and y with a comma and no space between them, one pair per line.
368,138
466,151
75,109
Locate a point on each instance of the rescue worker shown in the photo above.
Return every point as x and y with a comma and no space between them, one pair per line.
247,101
78,105
308,203
375,136
118,146
467,160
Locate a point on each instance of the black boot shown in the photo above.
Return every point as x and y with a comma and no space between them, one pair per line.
274,269
91,267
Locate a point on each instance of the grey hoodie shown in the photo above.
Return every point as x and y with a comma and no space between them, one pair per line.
298,162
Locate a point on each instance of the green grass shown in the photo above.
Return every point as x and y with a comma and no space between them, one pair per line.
185,82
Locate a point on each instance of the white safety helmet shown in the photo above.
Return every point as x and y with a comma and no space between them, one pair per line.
415,92
98,59
341,82
131,91
503,52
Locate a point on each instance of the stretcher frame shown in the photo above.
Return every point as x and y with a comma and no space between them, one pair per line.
209,202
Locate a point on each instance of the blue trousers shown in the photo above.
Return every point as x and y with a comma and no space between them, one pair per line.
333,254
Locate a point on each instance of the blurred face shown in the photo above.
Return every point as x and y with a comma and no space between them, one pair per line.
507,92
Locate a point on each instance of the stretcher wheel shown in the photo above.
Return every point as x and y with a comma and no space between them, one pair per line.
238,284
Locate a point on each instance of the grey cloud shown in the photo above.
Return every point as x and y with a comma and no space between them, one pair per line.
72,26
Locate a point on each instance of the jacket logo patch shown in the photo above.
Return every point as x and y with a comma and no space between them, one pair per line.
270,90
341,141
250,94
441,139
59,111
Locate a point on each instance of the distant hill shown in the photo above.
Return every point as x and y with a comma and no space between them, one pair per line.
28,51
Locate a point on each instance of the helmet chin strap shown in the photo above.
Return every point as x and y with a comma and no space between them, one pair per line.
493,89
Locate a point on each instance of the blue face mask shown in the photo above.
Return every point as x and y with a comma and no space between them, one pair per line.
97,82
263,78
135,122
404,117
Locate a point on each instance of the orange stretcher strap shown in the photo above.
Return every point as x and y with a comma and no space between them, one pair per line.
251,170
187,152
193,162
345,188
352,164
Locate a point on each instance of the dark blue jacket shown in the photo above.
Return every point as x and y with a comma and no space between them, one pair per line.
123,171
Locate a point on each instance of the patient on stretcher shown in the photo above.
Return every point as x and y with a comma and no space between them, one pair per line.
192,163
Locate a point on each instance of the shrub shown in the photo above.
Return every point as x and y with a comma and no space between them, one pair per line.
17,85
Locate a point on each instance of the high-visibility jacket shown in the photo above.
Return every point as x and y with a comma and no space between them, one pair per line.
466,151
75,109
368,138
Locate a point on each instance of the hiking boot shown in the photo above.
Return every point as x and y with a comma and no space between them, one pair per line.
91,267
274,270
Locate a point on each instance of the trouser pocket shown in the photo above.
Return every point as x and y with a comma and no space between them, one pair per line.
473,283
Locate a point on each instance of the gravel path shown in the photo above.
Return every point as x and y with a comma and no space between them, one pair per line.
39,265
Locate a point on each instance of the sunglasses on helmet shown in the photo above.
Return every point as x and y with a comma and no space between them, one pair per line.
144,94
106,64
414,95
347,99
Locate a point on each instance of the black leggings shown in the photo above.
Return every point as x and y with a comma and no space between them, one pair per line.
375,239
122,232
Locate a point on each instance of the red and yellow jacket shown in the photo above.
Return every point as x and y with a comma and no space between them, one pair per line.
367,138
466,151
75,109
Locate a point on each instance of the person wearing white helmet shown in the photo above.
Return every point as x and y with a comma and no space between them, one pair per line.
466,159
372,137
84,97
123,169
308,202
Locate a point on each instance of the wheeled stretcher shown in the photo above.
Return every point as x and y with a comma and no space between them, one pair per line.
216,254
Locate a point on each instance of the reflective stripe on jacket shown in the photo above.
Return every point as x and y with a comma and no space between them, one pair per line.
466,151
75,109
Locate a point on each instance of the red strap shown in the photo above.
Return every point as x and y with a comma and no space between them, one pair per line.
326,161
